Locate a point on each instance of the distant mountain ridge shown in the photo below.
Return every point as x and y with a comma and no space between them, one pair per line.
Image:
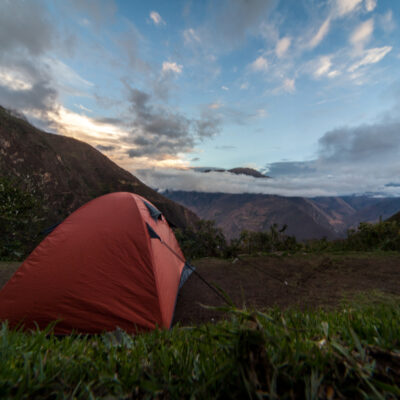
247,171
307,218
238,171
67,173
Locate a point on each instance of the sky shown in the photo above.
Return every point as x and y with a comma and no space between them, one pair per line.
306,91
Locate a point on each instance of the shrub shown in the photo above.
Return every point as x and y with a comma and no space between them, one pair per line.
384,235
274,240
380,236
206,240
20,220
203,240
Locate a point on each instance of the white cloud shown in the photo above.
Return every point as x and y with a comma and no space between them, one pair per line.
370,5
156,18
215,106
347,6
244,86
224,88
83,108
333,73
322,32
362,33
84,22
65,75
289,85
282,46
324,65
386,21
14,80
260,64
171,67
261,113
96,133
323,68
321,183
371,56
190,36
82,127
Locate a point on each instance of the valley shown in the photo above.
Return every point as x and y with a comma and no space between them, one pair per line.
306,218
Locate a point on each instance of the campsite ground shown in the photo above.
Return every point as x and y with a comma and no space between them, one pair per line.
300,280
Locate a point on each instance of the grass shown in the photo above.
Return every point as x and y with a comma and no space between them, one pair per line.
349,353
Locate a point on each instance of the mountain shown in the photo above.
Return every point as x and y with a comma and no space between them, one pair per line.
235,212
247,171
307,218
372,209
67,173
237,171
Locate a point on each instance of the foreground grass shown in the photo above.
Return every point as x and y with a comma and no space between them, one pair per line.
352,353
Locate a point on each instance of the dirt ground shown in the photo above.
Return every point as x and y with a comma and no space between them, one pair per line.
302,281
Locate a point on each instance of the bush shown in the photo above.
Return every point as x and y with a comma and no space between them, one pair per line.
318,245
203,240
206,240
380,236
274,240
20,220
384,236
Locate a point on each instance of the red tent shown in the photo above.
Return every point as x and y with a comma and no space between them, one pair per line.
114,262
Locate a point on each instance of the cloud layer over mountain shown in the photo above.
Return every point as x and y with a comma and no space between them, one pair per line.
351,160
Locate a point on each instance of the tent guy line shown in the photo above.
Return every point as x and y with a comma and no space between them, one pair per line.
187,265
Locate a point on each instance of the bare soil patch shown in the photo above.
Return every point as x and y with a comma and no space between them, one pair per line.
301,281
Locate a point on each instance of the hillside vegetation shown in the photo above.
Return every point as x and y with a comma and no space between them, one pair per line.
395,217
21,220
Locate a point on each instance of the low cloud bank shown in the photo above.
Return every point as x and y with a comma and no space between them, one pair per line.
350,160
306,186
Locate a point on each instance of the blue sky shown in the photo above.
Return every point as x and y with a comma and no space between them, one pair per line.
307,91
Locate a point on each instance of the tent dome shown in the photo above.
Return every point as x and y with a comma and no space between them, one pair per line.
114,262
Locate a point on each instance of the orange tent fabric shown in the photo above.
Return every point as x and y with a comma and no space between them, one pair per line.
98,270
